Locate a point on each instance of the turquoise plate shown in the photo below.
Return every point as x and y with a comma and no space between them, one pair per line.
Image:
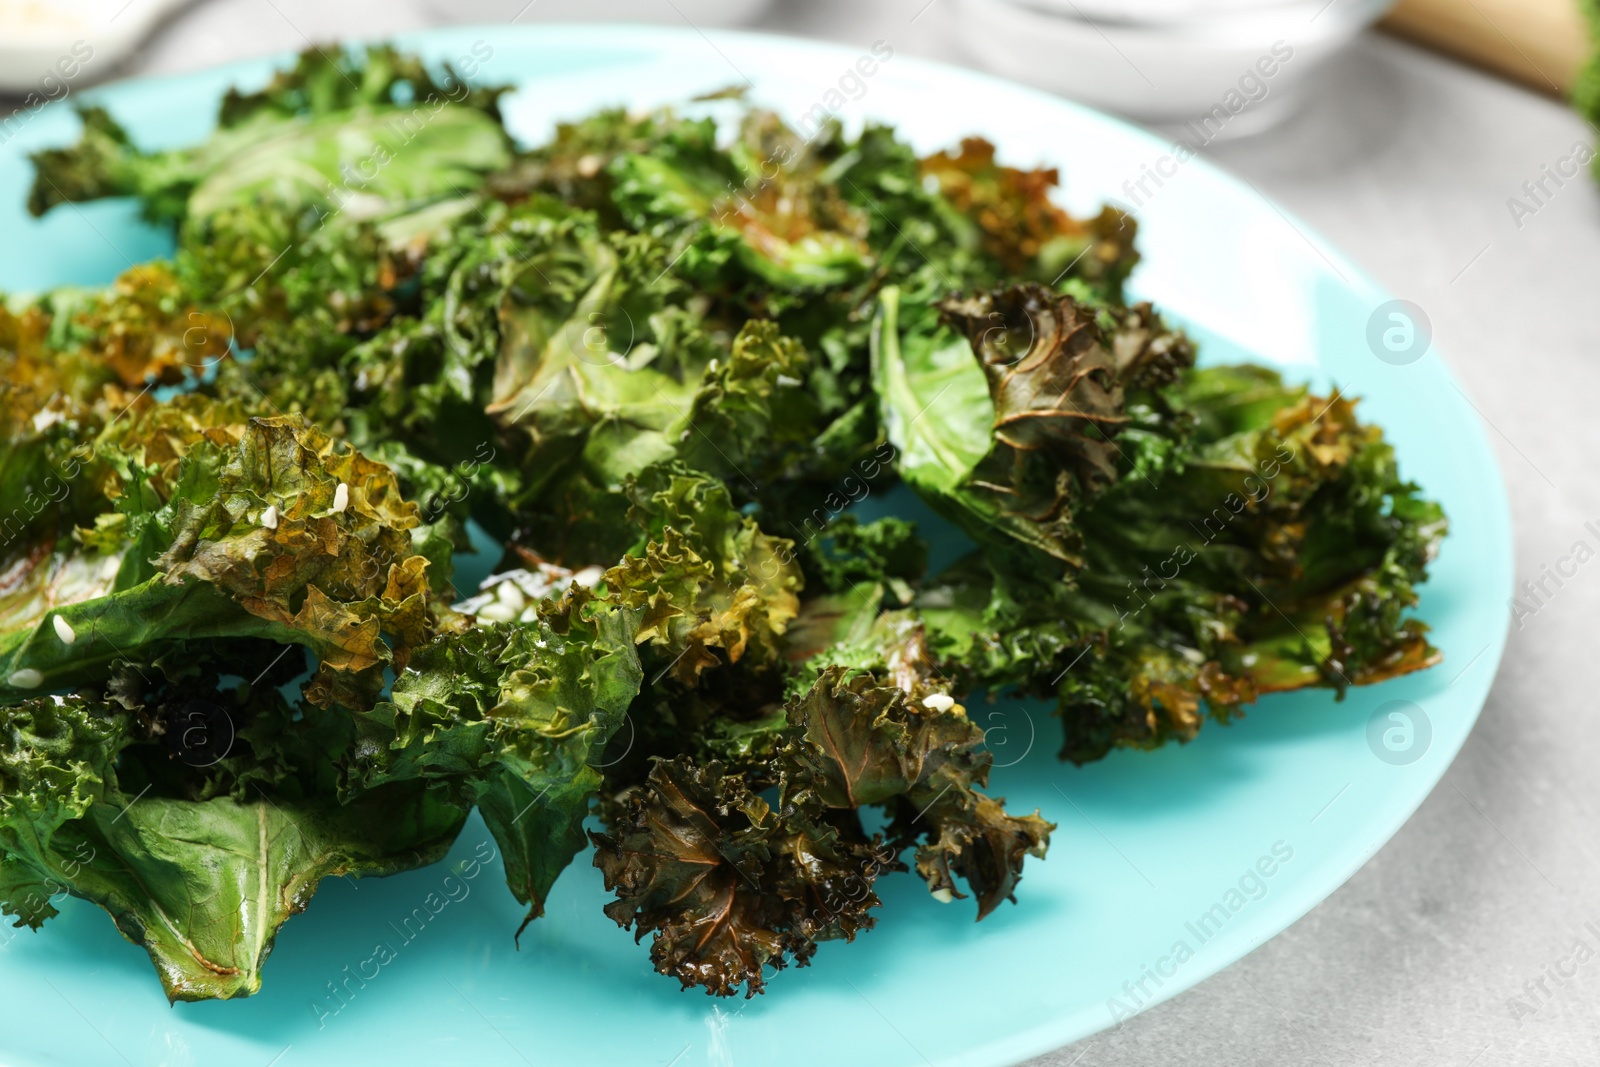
1167,866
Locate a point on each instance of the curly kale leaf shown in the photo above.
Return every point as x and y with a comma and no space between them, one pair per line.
1278,549
58,762
710,586
642,357
574,165
603,363
267,528
1057,405
761,209
729,885
1008,422
86,357
514,719
911,745
367,135
848,552
1022,229
326,81
203,886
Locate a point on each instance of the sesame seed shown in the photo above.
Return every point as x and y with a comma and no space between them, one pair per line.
498,611
26,678
510,595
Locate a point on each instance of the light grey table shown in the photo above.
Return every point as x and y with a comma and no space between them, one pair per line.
1446,949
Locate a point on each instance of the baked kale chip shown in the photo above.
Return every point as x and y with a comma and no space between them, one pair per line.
675,376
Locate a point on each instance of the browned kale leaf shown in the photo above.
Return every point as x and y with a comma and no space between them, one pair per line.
730,884
1021,226
1057,405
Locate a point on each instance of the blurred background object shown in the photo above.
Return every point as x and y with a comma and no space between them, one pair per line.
717,13
1168,61
46,44
1541,43
49,48
1222,67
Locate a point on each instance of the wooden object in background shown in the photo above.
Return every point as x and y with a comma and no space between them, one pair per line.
1541,43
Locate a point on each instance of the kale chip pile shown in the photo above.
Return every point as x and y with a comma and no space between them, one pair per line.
655,361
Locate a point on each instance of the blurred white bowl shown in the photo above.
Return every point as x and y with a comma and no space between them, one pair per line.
1169,61
47,47
705,13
